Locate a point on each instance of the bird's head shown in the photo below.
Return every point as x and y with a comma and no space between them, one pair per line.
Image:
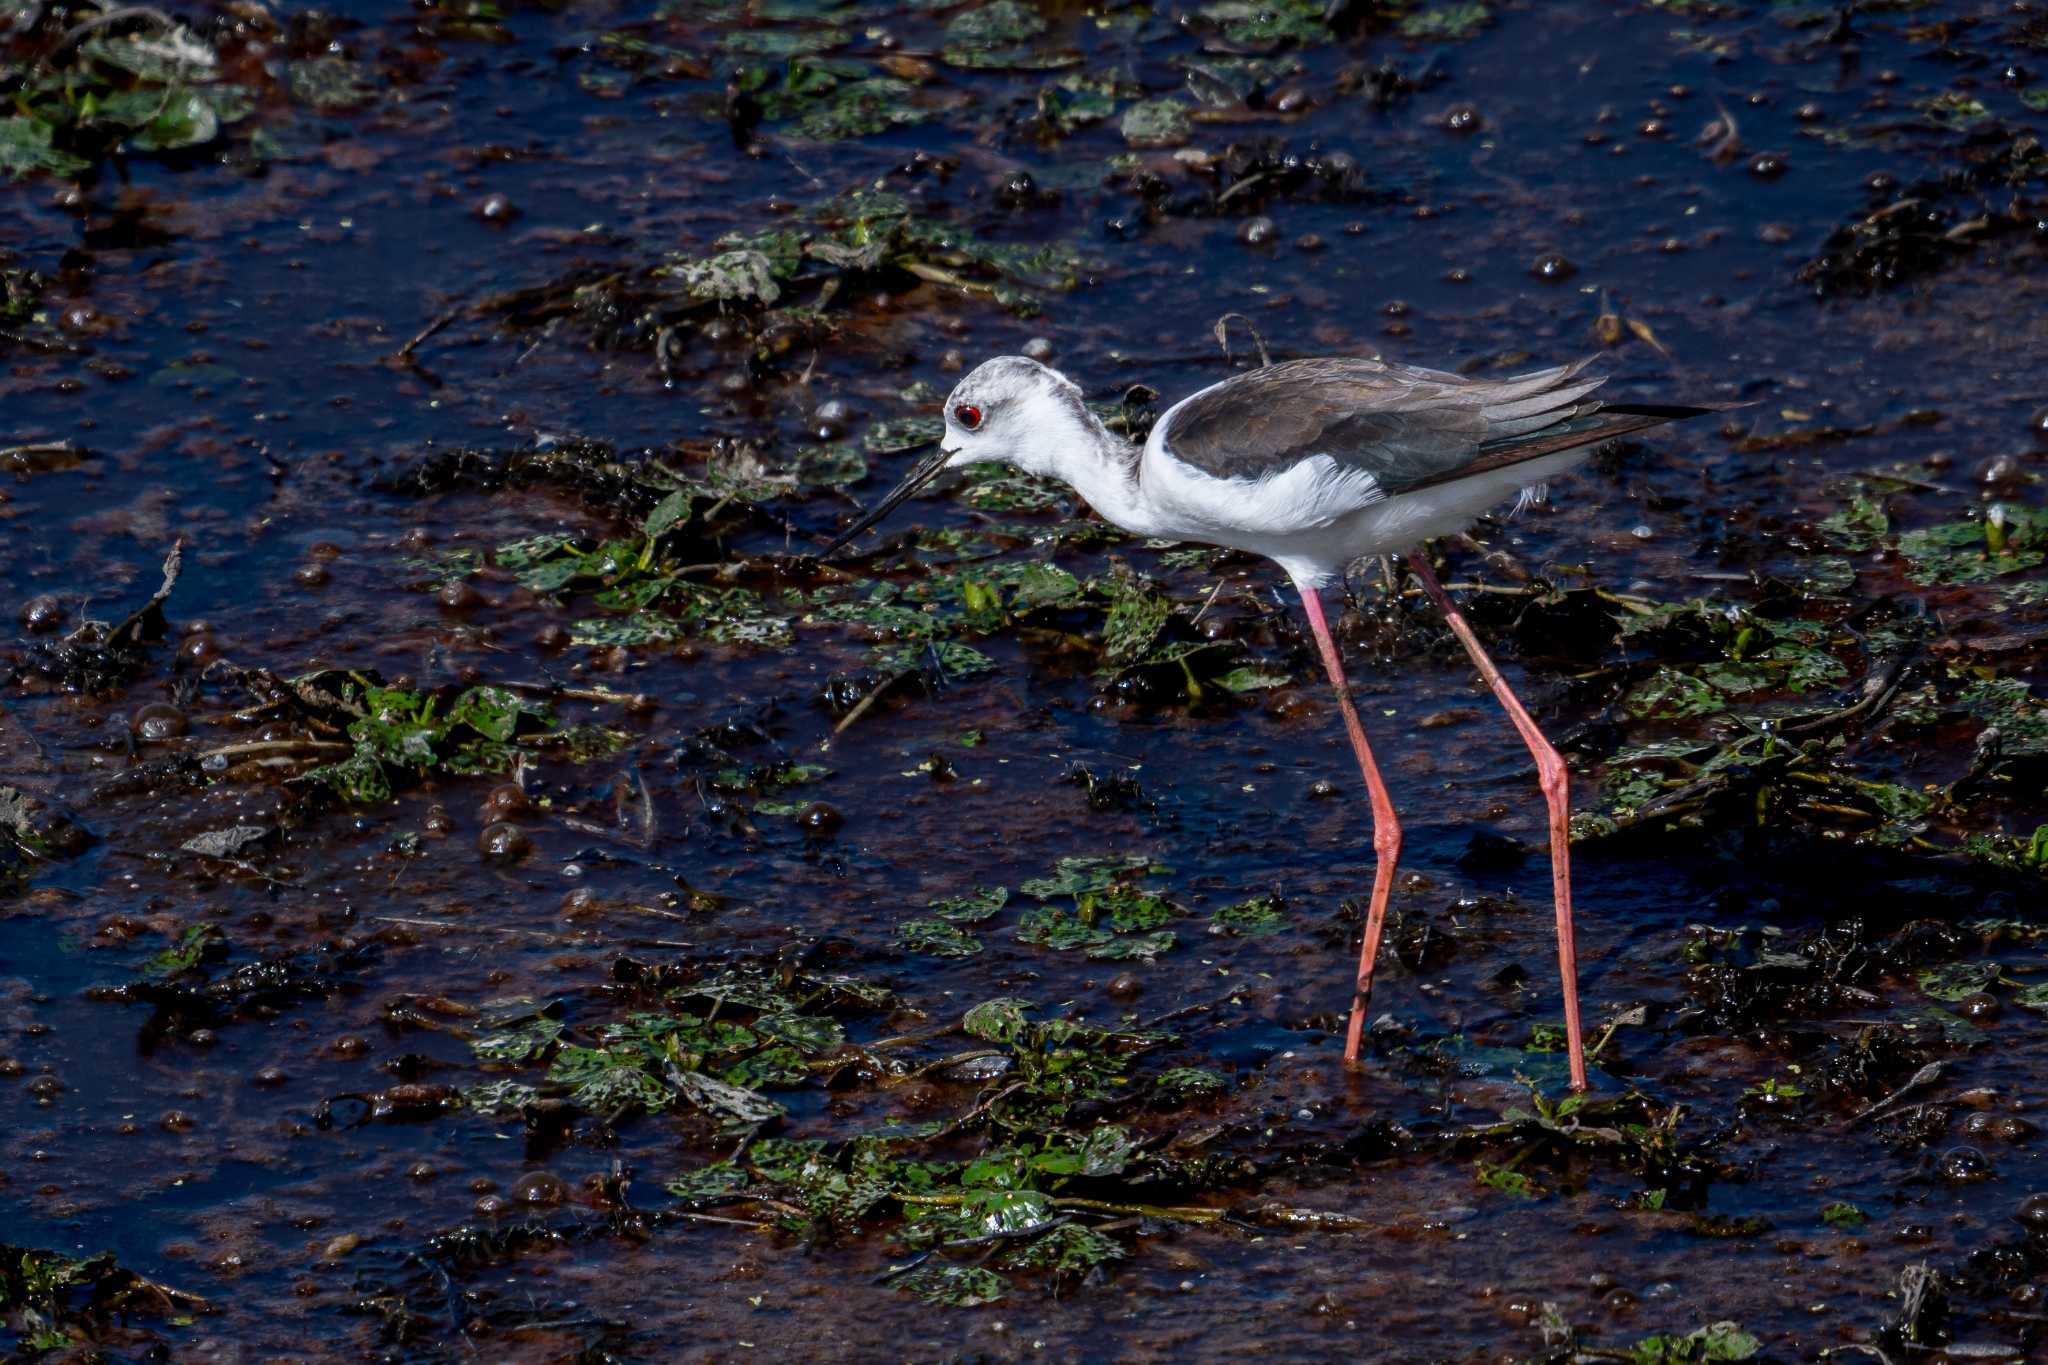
1004,410
1009,409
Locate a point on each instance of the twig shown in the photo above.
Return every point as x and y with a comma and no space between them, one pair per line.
1925,1076
1223,338
715,1218
110,17
860,708
254,747
405,352
151,613
481,928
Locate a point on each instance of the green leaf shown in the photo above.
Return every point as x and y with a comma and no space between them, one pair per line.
972,907
26,147
1446,23
937,937
996,1021
1137,613
527,1043
998,488
1131,910
1722,1341
1081,876
1255,918
1156,123
2009,538
1860,525
360,778
1253,679
954,1286
902,434
1059,930
524,554
1139,947
813,1033
1958,980
1190,1082
186,954
671,512
708,1182
1066,1251
1845,1216
994,24
1268,24
742,276
495,712
642,627
830,466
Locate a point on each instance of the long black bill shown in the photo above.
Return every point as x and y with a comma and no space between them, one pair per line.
921,473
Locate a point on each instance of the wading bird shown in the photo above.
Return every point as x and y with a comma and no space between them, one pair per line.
1315,464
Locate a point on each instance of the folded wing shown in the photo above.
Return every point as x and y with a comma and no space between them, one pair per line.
1404,427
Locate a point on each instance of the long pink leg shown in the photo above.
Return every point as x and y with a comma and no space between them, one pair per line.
1550,774
1386,830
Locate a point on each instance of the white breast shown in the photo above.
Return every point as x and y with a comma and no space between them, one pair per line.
1316,516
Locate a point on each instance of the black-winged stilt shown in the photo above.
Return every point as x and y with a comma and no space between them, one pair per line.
1315,464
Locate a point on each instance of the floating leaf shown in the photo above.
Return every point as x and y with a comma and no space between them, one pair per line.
26,147
733,275
1958,980
671,512
1255,918
1139,947
996,1021
1189,1082
1156,123
1446,23
972,907
1252,679
902,434
954,1286
1722,1341
937,937
1059,930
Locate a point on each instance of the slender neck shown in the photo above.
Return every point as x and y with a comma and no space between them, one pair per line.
1096,463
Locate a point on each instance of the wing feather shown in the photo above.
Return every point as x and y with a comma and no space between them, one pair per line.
1403,426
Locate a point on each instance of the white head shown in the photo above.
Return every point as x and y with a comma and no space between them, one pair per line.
1016,411
1012,410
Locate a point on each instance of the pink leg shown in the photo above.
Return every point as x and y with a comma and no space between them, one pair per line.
1386,830
1550,774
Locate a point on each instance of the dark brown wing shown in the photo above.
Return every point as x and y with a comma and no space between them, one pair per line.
1406,427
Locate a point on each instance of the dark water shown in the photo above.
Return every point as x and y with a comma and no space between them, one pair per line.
216,332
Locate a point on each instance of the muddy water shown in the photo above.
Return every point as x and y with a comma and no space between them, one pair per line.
217,354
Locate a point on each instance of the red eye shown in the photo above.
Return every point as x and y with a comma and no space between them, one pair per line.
967,415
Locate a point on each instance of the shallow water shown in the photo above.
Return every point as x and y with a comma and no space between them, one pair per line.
219,335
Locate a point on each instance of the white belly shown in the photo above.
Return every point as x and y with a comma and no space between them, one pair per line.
1317,516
